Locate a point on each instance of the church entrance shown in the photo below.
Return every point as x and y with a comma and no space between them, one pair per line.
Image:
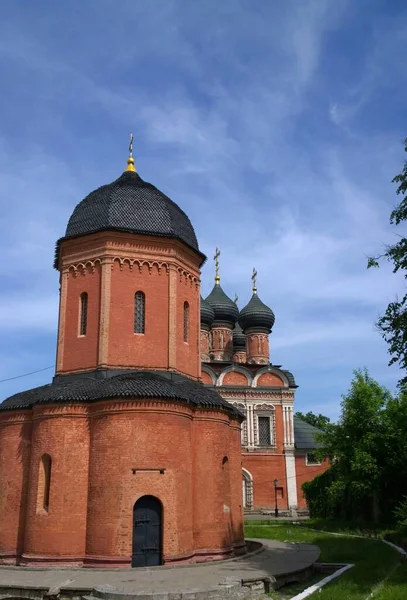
147,532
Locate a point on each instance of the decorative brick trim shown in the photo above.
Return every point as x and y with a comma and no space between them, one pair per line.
62,313
106,277
172,318
15,417
162,267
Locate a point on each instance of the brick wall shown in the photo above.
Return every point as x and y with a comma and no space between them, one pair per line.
264,469
306,473
15,439
94,449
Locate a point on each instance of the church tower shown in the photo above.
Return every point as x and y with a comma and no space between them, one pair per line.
130,281
126,458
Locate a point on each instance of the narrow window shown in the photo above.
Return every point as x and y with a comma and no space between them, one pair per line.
84,314
264,431
139,312
44,483
186,322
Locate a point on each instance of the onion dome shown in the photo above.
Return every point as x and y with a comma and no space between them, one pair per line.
130,204
256,314
239,339
224,308
207,313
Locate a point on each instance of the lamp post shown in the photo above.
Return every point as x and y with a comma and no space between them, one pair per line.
275,497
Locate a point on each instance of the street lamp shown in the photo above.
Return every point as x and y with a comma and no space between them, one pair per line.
275,497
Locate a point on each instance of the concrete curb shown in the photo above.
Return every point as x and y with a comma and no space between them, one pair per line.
207,563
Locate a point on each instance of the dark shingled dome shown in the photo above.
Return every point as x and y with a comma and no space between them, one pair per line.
133,205
256,314
133,386
239,338
207,313
225,309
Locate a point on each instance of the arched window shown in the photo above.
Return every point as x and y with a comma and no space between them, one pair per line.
44,483
186,322
139,312
83,321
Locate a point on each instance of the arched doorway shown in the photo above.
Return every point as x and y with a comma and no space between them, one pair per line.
247,490
147,532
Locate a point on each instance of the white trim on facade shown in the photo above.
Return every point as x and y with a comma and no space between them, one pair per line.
288,422
291,475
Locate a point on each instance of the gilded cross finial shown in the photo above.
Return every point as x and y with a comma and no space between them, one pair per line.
130,160
236,298
216,259
254,279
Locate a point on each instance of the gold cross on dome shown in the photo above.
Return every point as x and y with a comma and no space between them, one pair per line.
131,145
254,279
130,160
216,259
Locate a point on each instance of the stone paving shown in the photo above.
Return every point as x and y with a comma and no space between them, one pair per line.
276,559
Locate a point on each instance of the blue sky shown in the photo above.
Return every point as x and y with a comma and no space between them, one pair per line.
277,126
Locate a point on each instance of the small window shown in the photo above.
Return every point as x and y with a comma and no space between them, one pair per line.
83,314
186,322
264,431
139,312
311,458
44,483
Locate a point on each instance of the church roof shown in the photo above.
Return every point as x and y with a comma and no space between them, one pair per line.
207,313
136,385
130,204
239,338
225,309
305,435
256,314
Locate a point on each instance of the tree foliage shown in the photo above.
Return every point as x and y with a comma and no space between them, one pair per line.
319,421
368,453
393,324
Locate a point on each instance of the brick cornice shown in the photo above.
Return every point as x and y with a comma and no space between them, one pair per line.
47,411
15,417
254,394
130,246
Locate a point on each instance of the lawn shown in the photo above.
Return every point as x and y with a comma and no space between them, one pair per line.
379,571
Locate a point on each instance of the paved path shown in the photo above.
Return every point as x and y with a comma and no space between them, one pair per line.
277,559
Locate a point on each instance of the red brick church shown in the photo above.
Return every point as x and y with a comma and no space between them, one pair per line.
278,449
135,454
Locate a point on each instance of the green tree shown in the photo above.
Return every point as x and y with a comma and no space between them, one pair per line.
360,447
393,324
319,421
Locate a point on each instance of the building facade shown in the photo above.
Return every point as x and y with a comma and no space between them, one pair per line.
278,449
125,459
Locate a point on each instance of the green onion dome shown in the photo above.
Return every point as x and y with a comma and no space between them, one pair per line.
207,313
225,309
256,315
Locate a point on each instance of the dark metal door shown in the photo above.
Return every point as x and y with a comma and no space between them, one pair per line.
147,532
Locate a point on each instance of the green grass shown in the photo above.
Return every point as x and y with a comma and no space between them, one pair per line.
292,589
378,568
